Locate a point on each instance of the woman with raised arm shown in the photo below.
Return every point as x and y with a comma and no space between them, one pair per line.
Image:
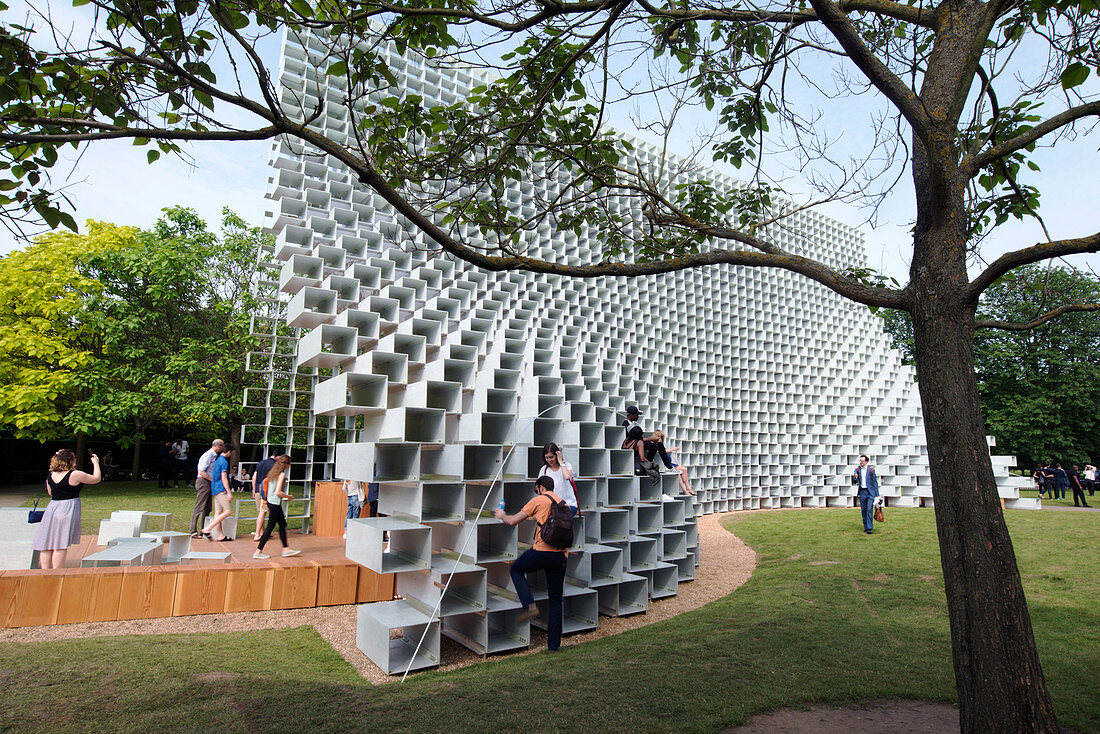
561,472
60,525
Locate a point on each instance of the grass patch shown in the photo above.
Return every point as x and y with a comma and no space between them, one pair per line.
98,501
830,615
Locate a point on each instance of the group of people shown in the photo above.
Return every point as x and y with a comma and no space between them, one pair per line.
647,449
214,491
1052,481
555,484
173,462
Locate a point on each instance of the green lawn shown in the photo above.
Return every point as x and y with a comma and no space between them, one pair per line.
98,501
830,615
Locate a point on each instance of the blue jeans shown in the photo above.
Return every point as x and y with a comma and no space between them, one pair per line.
867,506
354,506
553,562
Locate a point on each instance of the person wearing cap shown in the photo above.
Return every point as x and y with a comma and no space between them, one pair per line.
632,415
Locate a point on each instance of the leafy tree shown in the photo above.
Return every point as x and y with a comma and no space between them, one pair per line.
953,109
128,329
173,312
1040,388
47,338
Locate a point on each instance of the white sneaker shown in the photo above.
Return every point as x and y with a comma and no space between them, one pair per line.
668,497
260,556
290,552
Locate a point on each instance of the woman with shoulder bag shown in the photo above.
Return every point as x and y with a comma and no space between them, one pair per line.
60,526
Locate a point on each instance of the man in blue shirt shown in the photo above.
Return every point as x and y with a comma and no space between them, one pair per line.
221,494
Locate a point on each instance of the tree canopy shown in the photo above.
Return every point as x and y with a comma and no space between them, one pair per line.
957,108
126,329
1039,387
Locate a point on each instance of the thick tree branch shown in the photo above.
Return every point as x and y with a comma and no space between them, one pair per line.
1039,321
974,166
895,90
1035,253
852,289
113,132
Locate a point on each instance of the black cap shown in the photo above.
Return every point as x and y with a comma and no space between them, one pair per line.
633,410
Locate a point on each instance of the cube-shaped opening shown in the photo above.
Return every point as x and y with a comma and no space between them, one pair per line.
582,412
393,366
443,502
591,435
673,512
592,462
441,462
481,462
648,491
397,462
663,581
592,526
607,565
586,494
424,425
650,518
622,462
459,370
443,395
621,490
674,544
497,427
482,499
500,401
547,430
643,554
365,391
614,525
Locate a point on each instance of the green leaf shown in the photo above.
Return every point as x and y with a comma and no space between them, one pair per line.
152,155
205,99
1075,74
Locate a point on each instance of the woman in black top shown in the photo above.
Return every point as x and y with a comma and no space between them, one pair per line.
60,525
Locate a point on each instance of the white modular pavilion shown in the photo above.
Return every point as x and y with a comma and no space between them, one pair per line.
385,360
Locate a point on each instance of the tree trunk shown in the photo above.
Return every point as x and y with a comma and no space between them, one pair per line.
997,673
136,464
81,450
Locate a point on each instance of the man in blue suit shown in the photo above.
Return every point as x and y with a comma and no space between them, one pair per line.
866,479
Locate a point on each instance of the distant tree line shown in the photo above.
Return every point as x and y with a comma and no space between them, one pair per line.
1039,388
125,334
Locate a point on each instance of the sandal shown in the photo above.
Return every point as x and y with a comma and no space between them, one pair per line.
196,536
226,539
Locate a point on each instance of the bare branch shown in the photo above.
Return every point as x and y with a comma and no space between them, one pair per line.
1039,321
1035,253
899,94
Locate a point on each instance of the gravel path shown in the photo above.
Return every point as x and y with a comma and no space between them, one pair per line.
727,563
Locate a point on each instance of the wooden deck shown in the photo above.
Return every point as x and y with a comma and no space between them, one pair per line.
320,576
